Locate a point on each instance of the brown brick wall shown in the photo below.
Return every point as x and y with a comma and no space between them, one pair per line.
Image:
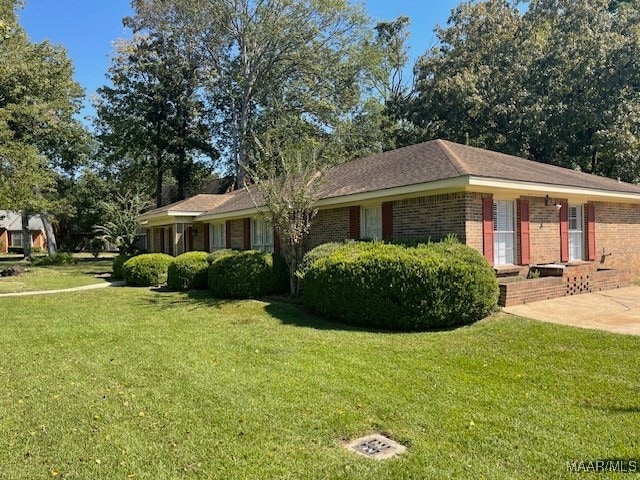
618,233
237,234
329,226
433,217
473,223
4,241
575,280
545,231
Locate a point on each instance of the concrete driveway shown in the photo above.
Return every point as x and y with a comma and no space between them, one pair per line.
615,311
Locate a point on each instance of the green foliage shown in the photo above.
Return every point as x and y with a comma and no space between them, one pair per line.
213,256
147,270
60,258
540,84
121,227
118,262
317,253
390,286
96,245
189,271
248,274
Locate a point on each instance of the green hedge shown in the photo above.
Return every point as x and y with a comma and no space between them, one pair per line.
403,288
248,274
118,262
317,253
147,270
213,256
188,271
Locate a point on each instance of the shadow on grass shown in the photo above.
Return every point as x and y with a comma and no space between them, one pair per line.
633,409
166,299
285,310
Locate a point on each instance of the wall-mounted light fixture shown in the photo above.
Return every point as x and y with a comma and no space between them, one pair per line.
549,203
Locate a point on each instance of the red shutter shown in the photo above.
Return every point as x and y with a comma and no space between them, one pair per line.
276,242
487,229
354,223
591,231
246,224
207,237
525,233
387,220
564,232
227,232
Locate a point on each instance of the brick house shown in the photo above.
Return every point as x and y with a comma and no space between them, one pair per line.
11,236
517,213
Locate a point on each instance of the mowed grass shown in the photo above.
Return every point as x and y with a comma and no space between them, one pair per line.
55,277
134,383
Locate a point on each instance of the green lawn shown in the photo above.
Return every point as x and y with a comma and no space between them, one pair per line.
55,277
135,383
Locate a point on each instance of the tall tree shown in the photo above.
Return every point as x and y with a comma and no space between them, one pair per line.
154,109
558,83
303,59
38,130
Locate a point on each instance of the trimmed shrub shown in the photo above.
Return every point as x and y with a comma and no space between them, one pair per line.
147,270
188,271
316,253
248,274
402,288
213,256
118,262
60,258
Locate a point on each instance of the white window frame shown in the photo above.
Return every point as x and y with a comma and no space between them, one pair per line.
504,232
261,235
217,236
371,222
18,244
576,234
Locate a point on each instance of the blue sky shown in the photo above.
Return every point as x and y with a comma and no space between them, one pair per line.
87,28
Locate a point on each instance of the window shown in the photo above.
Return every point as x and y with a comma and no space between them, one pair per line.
371,222
576,237
261,235
218,236
16,239
504,233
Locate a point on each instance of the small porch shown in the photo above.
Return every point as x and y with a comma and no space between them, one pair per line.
547,281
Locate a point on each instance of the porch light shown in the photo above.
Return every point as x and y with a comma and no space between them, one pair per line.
558,206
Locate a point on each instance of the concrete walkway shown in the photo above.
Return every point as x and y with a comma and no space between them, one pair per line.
115,283
616,311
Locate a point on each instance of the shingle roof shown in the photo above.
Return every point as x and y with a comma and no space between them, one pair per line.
12,221
437,160
198,203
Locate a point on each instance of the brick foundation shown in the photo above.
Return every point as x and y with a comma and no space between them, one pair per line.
575,280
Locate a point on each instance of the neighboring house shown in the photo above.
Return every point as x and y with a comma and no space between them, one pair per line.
514,211
11,231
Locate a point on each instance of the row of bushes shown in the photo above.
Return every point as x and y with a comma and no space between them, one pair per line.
430,285
227,273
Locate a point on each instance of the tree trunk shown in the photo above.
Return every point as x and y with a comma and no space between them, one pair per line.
26,236
52,244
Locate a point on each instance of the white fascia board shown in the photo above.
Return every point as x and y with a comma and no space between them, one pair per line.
491,185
